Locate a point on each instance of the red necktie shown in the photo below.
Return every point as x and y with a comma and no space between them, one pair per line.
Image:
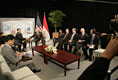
38,35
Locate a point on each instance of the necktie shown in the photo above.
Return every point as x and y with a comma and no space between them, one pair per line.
92,37
38,35
65,36
72,36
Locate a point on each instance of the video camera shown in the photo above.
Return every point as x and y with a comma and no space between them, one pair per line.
113,30
114,26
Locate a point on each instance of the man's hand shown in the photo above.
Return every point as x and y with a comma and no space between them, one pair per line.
69,41
40,41
27,38
80,41
19,53
90,46
23,41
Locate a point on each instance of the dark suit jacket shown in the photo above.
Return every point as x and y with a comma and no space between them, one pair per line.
96,41
36,36
61,36
19,38
97,70
85,37
75,38
59,39
68,36
10,55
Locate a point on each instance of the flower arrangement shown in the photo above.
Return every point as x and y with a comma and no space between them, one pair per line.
51,49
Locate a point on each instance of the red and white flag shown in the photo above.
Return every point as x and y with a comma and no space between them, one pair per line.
45,28
38,23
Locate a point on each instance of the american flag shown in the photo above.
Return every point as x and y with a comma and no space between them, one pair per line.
38,23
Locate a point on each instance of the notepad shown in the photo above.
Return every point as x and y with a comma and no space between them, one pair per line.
27,54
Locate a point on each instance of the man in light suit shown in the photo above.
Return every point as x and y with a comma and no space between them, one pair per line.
38,37
14,58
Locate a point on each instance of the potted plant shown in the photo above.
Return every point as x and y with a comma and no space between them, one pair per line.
55,19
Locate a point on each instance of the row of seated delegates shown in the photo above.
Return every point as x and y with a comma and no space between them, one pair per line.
79,40
38,37
84,41
16,59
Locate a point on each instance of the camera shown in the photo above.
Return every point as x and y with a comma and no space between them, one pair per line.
114,26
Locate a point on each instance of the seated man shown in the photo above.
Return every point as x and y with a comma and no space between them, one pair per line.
73,40
65,40
13,58
93,42
20,40
82,42
60,37
38,37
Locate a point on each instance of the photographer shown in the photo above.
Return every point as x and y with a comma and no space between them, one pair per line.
98,70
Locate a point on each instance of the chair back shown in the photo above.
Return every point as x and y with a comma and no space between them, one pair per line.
2,59
1,48
6,71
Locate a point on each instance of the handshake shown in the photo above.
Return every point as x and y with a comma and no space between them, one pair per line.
27,40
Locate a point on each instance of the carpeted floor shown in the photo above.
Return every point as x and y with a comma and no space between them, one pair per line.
54,71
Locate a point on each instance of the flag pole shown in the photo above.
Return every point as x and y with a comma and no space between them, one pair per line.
45,27
37,13
44,12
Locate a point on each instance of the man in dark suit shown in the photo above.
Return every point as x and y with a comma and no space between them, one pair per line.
64,41
82,42
93,42
20,40
59,39
38,37
73,39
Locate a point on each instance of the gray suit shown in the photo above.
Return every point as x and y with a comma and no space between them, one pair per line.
13,60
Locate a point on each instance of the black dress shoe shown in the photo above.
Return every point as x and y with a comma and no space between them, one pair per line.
35,71
86,58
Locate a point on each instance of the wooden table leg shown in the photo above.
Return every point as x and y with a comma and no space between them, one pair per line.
32,52
31,44
64,70
45,59
78,63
